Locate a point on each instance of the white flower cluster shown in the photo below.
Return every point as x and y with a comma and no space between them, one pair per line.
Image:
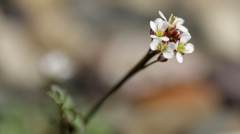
170,38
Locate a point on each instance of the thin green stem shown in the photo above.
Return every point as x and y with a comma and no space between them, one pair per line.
62,125
134,70
65,127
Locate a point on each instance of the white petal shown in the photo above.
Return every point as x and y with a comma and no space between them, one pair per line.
161,14
179,21
189,48
164,38
171,46
153,26
157,21
179,57
154,44
182,28
154,36
160,38
168,54
185,37
157,40
164,26
160,25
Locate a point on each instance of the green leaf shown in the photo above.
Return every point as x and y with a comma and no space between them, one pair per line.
78,123
70,114
57,94
68,103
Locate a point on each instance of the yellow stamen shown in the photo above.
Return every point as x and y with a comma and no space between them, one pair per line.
169,20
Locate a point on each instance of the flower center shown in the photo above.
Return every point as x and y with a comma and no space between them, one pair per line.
159,33
181,48
162,47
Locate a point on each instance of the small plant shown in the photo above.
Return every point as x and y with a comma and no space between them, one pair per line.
70,120
169,39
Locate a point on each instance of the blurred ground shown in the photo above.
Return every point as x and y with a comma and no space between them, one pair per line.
88,45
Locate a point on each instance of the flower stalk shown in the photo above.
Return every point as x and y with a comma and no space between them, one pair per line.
141,65
168,39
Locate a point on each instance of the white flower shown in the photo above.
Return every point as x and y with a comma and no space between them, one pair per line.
159,26
166,49
55,65
182,47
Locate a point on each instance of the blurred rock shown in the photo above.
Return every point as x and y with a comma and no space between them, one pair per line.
54,26
222,34
144,8
175,109
18,56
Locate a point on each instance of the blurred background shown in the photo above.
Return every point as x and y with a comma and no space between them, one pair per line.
86,46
